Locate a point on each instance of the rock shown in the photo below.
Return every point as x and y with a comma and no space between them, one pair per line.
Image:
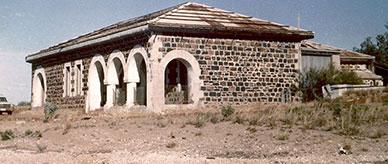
342,151
20,122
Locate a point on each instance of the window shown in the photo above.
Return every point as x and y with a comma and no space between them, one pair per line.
78,79
67,80
72,80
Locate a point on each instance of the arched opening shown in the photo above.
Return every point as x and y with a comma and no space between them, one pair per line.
119,91
177,82
97,89
38,90
137,81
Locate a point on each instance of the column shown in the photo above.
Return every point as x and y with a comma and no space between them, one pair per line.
131,94
110,95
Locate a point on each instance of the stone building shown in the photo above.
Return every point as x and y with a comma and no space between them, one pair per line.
316,55
185,56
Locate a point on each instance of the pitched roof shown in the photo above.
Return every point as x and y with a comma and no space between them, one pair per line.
188,18
309,45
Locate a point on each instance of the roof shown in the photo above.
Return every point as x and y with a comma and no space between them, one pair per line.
309,45
366,74
188,18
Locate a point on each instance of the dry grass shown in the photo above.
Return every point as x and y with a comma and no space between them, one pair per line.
350,115
66,128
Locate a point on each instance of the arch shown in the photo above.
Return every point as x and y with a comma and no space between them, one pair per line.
96,96
39,87
116,88
193,73
136,76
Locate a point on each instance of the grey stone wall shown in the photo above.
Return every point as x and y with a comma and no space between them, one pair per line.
241,71
54,66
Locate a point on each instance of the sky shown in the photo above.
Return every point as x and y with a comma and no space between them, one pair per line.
27,26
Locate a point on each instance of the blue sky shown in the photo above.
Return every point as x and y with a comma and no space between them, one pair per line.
27,26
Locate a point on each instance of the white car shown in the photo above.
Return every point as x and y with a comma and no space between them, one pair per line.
5,107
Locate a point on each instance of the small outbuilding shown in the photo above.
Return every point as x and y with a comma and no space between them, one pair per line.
317,55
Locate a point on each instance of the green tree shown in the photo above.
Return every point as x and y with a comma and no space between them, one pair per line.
377,47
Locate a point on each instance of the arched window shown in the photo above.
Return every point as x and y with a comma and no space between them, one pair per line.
176,89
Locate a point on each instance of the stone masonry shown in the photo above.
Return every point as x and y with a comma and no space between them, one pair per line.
241,71
54,70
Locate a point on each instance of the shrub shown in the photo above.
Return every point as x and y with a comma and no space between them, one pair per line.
49,111
311,82
239,119
377,133
7,135
171,145
227,111
24,103
30,133
283,136
199,120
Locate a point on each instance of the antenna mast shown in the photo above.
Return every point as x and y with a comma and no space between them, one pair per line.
298,21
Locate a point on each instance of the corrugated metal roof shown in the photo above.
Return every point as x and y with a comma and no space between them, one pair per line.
190,18
308,45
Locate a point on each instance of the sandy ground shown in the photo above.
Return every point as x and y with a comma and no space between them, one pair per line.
142,137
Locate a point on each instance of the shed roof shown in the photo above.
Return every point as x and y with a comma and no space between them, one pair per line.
191,19
309,45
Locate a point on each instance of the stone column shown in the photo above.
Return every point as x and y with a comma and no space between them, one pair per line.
131,94
110,95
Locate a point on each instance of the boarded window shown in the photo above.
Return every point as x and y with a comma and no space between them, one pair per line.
317,62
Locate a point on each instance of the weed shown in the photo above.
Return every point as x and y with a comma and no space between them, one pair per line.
49,111
214,119
251,129
161,125
171,145
41,148
198,134
253,121
239,120
7,135
202,118
347,146
227,111
377,133
32,134
66,128
28,132
282,136
364,149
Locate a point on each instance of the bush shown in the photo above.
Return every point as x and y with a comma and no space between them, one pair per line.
24,103
32,134
49,111
311,82
7,135
227,111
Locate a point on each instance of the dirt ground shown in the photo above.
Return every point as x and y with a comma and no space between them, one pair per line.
171,137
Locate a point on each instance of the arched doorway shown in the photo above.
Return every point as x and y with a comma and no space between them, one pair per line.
176,88
116,88
137,80
97,89
38,88
192,76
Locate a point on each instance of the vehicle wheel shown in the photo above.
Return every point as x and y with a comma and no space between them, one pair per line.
9,112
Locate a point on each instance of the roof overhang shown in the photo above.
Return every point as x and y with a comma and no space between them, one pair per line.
103,39
319,52
230,33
